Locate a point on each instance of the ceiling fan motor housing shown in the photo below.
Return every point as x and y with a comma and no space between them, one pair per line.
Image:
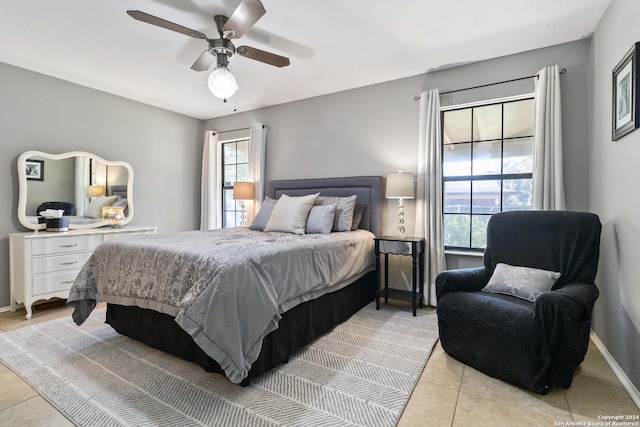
223,49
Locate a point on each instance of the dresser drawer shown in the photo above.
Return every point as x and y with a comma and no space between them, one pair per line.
62,245
53,282
59,263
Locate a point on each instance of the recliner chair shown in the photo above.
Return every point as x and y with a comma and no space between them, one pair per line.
68,207
534,344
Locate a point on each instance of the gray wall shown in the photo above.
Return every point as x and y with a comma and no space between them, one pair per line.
574,57
367,131
615,194
43,113
374,130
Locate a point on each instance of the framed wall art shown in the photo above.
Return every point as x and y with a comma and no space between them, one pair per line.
626,114
35,169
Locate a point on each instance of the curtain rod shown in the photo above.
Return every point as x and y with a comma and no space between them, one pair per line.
239,129
562,71
233,130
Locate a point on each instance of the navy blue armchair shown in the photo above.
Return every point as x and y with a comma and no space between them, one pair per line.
536,345
68,207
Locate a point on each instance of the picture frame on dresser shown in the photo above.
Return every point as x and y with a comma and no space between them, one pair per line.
626,102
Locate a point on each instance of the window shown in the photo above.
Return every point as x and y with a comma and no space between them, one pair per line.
235,167
487,167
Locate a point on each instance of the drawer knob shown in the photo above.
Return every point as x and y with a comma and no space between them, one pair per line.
69,246
67,282
69,263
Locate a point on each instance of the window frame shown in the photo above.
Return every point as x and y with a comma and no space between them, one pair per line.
224,187
486,177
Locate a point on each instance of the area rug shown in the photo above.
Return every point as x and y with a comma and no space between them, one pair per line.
360,374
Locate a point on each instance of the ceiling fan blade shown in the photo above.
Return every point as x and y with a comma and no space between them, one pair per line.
243,18
262,56
203,63
163,23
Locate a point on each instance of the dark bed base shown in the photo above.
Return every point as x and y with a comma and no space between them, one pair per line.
297,328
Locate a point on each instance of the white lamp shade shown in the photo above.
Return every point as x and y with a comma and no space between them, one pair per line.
400,186
95,191
243,190
222,83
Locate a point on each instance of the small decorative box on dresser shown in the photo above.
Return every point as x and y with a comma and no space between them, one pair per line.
44,265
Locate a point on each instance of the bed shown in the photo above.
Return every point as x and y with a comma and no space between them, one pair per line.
299,320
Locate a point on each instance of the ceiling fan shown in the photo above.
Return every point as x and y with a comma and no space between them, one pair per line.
221,82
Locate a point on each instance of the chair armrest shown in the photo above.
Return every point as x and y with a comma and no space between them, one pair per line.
461,280
574,300
565,318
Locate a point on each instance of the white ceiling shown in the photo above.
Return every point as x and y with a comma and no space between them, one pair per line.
333,45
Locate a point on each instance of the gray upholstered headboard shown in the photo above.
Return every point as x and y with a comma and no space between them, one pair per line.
119,190
368,190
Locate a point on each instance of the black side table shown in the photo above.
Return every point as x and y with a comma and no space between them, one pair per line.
410,246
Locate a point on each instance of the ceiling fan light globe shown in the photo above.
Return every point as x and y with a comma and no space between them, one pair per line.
222,83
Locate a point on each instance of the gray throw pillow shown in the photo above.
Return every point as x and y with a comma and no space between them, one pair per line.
522,282
358,212
261,219
320,220
344,213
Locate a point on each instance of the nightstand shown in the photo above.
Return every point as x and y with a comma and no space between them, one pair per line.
409,246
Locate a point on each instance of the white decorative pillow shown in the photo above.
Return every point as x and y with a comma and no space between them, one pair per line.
260,221
290,214
320,219
522,282
344,213
94,210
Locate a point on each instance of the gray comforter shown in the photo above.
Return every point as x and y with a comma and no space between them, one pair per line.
226,288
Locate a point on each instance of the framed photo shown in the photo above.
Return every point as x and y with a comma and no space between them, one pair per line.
35,169
626,114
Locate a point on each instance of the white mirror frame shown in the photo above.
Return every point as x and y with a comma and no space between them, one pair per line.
22,182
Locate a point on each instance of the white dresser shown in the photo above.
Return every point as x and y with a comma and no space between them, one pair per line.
44,265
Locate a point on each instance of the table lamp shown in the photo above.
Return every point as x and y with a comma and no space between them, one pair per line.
243,191
400,186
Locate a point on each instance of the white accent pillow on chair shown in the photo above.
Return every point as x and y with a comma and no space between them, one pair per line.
522,282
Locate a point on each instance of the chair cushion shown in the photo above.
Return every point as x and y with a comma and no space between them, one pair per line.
521,282
495,334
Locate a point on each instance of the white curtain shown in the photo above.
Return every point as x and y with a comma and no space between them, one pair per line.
548,184
211,185
257,150
429,222
82,182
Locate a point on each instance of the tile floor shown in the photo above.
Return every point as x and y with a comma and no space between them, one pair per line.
448,393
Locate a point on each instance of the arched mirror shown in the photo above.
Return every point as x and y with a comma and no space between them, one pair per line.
77,182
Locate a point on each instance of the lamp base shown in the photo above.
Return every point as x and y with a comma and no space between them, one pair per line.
243,215
400,229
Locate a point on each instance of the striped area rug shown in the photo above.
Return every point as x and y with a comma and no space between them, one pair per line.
360,374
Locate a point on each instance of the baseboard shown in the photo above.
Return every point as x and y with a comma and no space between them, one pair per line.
8,308
622,377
